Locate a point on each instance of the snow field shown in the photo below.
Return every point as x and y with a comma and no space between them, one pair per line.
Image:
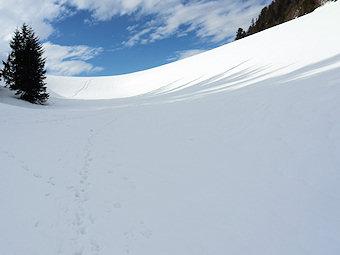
234,151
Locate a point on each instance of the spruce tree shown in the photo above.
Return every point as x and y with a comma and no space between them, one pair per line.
24,70
240,34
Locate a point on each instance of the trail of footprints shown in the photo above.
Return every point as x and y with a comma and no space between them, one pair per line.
81,218
25,167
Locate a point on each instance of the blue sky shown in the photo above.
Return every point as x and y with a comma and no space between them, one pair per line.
109,37
116,58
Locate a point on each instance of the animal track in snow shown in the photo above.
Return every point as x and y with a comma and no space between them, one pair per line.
117,205
81,219
36,175
25,167
94,246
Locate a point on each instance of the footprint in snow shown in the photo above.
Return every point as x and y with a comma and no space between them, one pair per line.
36,175
117,205
95,246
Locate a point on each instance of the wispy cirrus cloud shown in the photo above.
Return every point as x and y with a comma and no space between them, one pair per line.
211,20
215,20
70,60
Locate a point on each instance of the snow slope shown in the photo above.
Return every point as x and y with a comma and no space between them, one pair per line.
268,54
233,151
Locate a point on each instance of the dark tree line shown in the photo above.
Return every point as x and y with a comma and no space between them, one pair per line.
24,71
277,12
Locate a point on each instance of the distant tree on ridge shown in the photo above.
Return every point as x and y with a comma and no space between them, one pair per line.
279,11
240,34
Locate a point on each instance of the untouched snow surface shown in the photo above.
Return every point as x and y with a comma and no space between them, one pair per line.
233,151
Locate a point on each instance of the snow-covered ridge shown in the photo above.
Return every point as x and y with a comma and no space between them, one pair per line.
276,51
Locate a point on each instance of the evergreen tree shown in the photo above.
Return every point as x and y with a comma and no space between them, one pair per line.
280,11
240,34
24,70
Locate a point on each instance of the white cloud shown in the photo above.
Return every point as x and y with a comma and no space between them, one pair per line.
214,19
70,60
185,54
39,14
106,9
217,19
